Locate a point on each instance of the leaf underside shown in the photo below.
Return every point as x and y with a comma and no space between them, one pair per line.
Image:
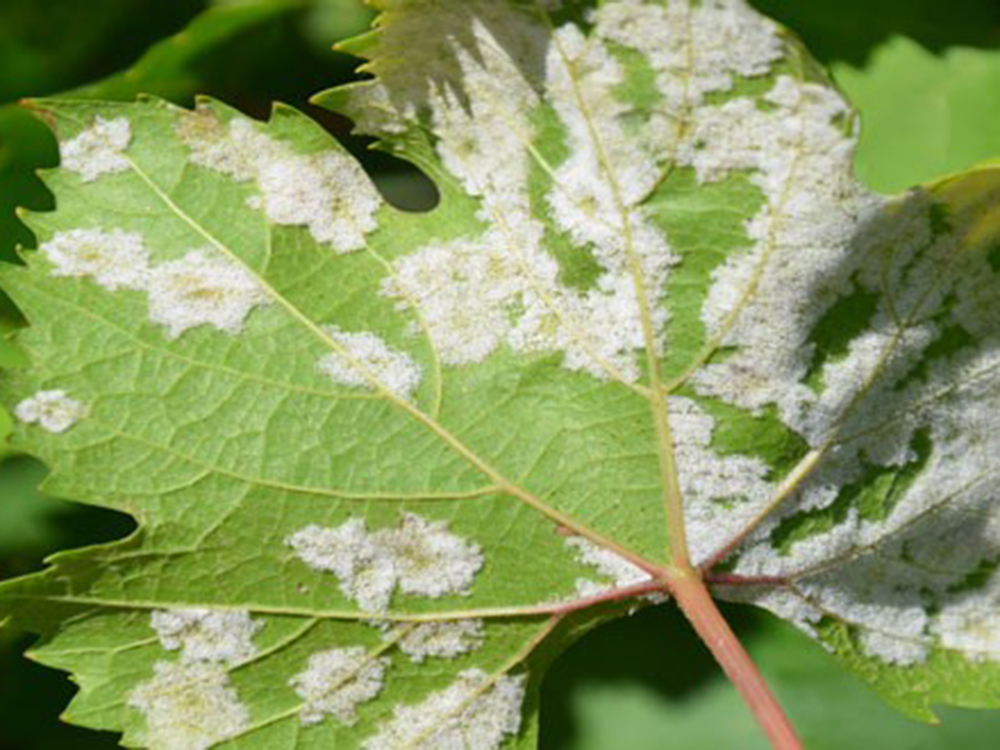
375,456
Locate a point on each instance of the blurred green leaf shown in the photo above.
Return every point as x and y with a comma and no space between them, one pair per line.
53,45
25,513
170,68
923,115
327,20
631,715
849,29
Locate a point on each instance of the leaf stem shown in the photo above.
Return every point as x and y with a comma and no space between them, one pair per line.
701,611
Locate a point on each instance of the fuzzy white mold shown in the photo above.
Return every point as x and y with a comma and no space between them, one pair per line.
326,192
503,288
54,411
367,358
199,289
99,149
207,635
189,707
420,558
336,682
471,713
115,259
442,640
610,564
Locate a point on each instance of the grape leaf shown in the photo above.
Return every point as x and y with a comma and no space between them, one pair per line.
924,115
387,465
170,69
25,513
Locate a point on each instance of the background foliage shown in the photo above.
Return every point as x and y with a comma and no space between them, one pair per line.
921,72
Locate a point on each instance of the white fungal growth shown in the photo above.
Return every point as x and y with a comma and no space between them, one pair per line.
367,357
442,640
200,290
99,149
722,494
622,572
326,192
476,711
972,631
421,558
476,294
189,707
430,560
231,150
336,682
54,411
207,635
115,259
970,622
696,47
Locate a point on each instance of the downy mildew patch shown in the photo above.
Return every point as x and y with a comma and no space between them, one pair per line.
447,639
610,564
419,558
326,192
365,358
53,411
114,260
818,241
201,289
207,635
189,706
98,150
476,711
336,682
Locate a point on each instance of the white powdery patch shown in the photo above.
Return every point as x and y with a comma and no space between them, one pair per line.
115,259
201,290
721,493
471,713
367,357
442,640
802,260
99,149
503,288
970,621
326,192
189,707
892,621
622,572
421,558
207,635
974,631
696,47
54,411
599,189
336,682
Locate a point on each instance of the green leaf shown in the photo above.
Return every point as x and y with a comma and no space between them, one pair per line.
65,43
171,68
26,514
924,115
387,465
